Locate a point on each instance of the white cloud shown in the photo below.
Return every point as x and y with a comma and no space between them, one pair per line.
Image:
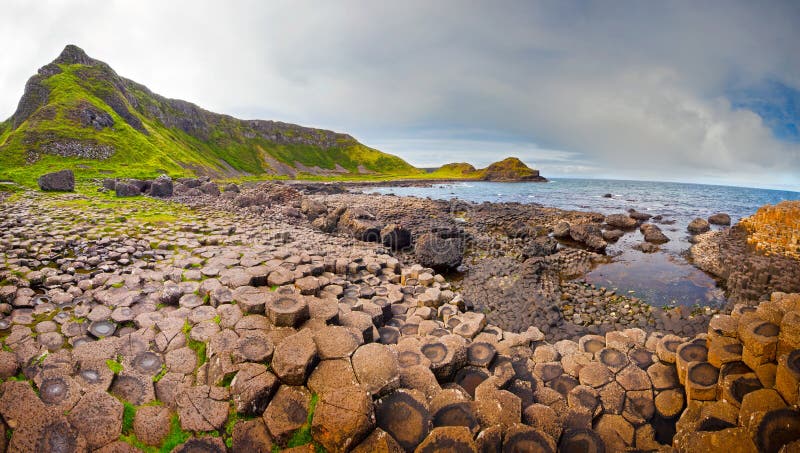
627,89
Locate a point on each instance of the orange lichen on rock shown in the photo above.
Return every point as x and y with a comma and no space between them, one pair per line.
775,229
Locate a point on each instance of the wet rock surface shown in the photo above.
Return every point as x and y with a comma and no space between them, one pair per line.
239,326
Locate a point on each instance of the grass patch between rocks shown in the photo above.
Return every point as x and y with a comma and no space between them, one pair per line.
114,366
175,437
128,414
198,347
303,434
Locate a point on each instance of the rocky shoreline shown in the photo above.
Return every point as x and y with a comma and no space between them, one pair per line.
299,317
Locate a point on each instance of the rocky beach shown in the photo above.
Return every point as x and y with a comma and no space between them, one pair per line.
190,315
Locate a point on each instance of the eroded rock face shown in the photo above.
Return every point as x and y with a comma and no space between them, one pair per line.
87,115
439,251
60,181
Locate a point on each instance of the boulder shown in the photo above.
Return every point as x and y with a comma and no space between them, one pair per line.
639,216
720,218
653,234
698,226
312,208
109,183
561,231
439,252
60,181
126,189
210,188
588,235
161,187
612,235
620,221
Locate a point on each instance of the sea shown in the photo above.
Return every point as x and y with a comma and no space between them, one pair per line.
664,278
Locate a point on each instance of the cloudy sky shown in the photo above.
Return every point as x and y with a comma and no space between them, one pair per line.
687,91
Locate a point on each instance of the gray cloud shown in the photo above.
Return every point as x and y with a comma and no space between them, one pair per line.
614,89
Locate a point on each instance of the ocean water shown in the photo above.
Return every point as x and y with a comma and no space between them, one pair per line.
662,278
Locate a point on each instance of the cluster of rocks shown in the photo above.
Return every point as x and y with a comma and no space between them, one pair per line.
741,380
746,274
244,330
83,149
775,229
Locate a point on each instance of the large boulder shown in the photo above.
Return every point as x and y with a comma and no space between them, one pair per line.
698,226
440,251
191,183
312,208
60,181
210,188
589,235
621,221
126,189
140,184
720,218
653,234
109,183
161,187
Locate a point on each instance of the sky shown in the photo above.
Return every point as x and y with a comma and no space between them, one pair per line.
679,91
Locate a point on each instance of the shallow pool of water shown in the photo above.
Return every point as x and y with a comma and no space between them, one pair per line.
657,278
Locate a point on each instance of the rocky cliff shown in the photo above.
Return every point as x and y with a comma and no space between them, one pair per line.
78,112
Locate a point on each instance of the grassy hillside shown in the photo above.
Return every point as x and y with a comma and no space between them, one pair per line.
78,113
508,169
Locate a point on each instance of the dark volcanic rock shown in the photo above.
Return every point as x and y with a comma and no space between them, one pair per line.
395,237
620,221
541,246
441,253
588,235
698,226
720,219
210,188
60,181
161,187
653,234
125,189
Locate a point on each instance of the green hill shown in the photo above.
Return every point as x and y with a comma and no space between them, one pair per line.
508,169
78,113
